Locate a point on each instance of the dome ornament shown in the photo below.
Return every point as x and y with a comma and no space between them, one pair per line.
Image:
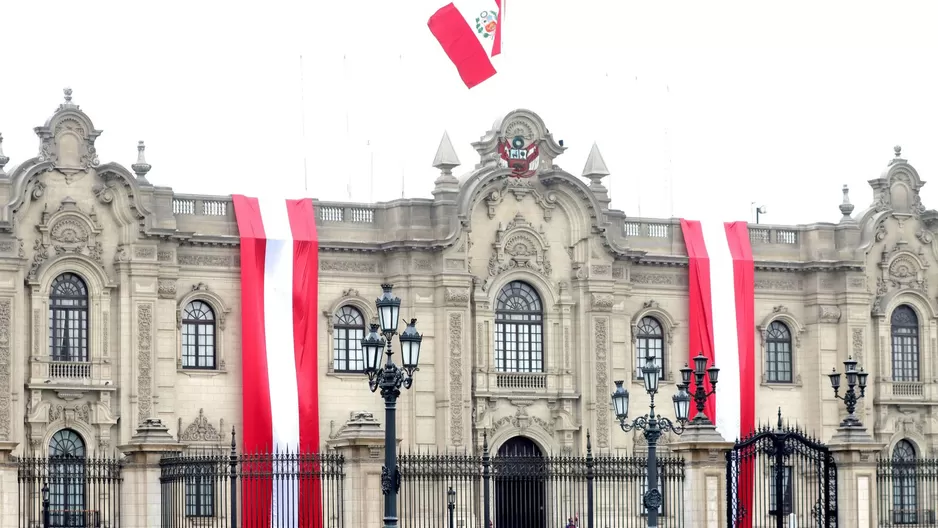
68,95
3,159
846,208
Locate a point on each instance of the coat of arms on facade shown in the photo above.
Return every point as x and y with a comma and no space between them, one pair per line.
520,157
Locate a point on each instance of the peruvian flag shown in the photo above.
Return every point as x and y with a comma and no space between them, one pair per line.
722,327
279,300
470,33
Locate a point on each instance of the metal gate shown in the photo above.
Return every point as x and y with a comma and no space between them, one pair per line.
779,478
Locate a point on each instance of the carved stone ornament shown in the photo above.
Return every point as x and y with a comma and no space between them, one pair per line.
828,314
900,269
201,430
897,189
80,412
6,367
457,296
66,231
67,140
144,365
601,334
456,377
167,289
602,302
520,188
518,246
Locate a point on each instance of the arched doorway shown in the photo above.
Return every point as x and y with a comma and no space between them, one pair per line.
520,471
66,479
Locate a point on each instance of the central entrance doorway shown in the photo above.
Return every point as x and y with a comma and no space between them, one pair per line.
520,493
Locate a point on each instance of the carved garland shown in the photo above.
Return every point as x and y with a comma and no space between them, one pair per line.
67,231
6,367
600,328
455,378
144,369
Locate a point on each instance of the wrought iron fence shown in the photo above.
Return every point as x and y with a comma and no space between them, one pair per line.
907,492
221,488
69,491
592,491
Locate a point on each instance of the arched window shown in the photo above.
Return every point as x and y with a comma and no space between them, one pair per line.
519,329
68,319
198,336
649,341
348,330
904,486
778,361
66,479
905,345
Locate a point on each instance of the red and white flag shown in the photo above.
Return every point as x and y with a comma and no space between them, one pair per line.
279,300
470,32
721,281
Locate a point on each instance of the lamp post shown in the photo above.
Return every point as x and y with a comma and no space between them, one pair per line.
700,394
46,520
651,425
451,505
390,378
855,378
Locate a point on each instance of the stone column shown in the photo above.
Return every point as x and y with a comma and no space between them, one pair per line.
8,486
855,453
704,453
140,493
361,442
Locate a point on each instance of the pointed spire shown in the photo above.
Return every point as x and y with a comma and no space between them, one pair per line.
3,159
445,160
595,169
141,168
846,208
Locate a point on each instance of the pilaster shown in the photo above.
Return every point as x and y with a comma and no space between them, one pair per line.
9,493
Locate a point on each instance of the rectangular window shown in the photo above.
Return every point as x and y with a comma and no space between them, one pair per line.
646,346
905,357
786,490
200,492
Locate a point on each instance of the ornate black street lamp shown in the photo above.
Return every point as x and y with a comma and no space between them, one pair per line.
701,393
651,425
855,379
451,505
390,378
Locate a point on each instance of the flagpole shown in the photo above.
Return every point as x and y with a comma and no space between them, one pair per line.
303,120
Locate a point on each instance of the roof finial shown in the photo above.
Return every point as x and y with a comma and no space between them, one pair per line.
445,160
141,168
595,169
68,95
3,159
846,208
898,150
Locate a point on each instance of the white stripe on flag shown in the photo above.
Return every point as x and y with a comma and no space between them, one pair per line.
725,342
281,363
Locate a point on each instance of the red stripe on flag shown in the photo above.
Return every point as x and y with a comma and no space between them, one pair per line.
700,316
461,45
256,414
497,45
737,236
305,337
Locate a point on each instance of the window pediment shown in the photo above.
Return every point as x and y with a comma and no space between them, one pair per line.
67,231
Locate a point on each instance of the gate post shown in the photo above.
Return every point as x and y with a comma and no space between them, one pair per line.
855,454
361,442
140,500
8,486
704,453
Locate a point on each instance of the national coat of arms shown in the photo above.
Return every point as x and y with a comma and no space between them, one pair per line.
486,23
521,158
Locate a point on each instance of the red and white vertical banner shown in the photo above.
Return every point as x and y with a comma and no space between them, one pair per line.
721,281
279,302
470,32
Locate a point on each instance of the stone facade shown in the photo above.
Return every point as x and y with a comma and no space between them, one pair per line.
147,256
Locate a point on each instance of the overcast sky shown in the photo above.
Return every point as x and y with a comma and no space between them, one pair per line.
699,108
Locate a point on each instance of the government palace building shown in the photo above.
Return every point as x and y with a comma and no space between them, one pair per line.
120,303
